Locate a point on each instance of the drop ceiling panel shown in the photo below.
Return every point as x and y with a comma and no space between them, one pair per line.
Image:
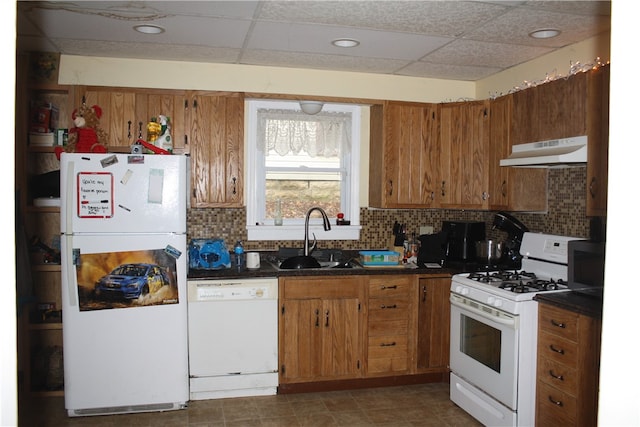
463,40
317,39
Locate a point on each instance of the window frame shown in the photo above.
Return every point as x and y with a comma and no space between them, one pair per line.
294,230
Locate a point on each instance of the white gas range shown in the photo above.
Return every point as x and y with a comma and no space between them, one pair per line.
494,323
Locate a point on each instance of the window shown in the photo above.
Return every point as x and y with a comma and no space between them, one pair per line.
298,161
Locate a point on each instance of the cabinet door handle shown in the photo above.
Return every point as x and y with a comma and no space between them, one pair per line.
424,293
555,402
186,140
558,377
557,350
485,195
326,319
558,324
442,189
234,184
593,187
317,318
139,130
391,187
383,287
504,188
129,129
388,306
391,344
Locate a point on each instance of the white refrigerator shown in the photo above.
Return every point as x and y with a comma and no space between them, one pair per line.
124,295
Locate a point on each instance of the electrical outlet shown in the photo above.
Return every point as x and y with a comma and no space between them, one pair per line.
426,229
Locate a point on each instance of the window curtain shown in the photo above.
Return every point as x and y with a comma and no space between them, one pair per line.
290,132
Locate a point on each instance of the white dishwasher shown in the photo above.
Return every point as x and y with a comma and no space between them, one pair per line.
233,337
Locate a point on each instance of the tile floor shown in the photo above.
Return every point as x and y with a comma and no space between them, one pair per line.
414,405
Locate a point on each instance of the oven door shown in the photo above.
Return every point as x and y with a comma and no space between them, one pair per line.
484,348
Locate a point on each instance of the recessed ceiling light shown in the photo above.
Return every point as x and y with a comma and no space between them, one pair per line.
345,42
545,33
149,29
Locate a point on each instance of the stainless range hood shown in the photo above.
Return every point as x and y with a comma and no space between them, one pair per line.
553,153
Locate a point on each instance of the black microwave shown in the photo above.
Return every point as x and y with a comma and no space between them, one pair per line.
586,267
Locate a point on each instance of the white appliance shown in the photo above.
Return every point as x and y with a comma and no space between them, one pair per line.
494,324
124,299
233,337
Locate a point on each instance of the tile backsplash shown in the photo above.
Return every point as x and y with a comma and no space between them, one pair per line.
566,215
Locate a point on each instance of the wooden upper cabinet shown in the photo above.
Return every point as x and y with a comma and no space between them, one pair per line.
499,148
126,113
562,108
524,113
598,146
464,144
552,110
403,155
216,129
510,188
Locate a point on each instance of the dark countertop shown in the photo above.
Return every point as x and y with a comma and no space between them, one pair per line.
267,270
573,301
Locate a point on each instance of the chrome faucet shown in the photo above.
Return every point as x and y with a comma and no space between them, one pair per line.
327,227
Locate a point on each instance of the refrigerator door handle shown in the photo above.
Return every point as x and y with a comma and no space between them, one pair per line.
69,196
68,259
72,287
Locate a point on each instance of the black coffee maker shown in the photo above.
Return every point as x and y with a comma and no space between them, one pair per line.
511,257
461,239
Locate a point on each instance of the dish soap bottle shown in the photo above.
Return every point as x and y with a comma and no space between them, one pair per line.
238,250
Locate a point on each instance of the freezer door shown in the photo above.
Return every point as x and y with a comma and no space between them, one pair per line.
123,193
124,321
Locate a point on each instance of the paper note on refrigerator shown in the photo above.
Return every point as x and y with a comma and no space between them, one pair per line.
95,195
156,180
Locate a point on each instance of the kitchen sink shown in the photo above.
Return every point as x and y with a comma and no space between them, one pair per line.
323,265
293,259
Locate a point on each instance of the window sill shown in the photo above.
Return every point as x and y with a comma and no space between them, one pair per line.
296,232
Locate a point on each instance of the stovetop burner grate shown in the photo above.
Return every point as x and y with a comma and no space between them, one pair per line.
517,281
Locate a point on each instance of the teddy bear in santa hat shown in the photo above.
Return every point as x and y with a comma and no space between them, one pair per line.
86,136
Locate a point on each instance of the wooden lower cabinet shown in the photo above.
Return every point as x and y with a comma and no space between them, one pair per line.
320,328
568,367
389,307
338,332
434,317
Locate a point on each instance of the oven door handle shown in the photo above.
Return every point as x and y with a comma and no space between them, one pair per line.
508,321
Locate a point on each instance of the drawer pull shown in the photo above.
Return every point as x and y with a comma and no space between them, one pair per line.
558,377
558,324
555,402
388,306
388,344
383,287
556,350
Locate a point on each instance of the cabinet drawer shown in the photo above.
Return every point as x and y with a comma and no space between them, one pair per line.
320,287
388,346
387,365
554,408
388,308
388,286
388,327
555,348
560,376
559,322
